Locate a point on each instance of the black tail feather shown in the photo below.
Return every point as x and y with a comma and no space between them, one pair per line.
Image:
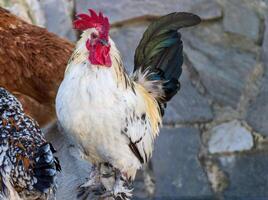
46,167
160,52
171,87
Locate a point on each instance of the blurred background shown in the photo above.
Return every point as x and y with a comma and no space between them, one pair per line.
214,141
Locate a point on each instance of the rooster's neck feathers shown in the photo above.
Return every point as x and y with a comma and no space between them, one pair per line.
81,53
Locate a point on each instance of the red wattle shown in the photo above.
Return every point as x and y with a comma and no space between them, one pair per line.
99,54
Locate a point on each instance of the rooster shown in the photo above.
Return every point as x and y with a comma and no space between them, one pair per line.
114,118
27,165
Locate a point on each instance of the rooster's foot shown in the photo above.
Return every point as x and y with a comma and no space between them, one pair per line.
121,189
93,187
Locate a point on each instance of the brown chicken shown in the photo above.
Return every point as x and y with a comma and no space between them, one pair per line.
32,64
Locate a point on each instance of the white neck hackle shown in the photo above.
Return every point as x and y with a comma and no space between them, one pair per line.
80,55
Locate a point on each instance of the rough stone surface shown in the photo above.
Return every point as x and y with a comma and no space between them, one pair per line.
240,19
120,10
58,18
258,111
127,40
208,10
247,176
29,10
144,183
140,186
188,106
36,13
230,137
223,66
177,170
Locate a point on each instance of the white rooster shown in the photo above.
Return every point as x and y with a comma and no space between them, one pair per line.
111,117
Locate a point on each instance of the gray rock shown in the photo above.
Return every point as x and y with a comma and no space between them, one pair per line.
248,176
139,188
240,19
230,137
221,62
127,40
144,183
257,115
58,18
208,10
120,10
36,13
188,106
28,10
177,170
265,43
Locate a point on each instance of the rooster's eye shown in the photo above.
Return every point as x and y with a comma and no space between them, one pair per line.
94,35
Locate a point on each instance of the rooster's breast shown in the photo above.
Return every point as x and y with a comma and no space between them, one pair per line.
91,109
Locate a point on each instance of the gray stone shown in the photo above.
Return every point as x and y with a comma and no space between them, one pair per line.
139,187
247,175
58,18
230,137
144,183
36,13
120,10
221,62
208,10
188,106
127,40
257,115
70,7
265,43
176,167
29,10
240,19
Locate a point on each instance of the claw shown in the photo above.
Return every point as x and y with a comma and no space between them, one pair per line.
105,182
90,192
122,189
92,188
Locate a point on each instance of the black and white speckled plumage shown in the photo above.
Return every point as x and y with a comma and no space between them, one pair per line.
27,165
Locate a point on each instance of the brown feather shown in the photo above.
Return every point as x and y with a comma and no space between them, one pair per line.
32,64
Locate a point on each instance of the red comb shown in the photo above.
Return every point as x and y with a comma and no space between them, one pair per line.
85,21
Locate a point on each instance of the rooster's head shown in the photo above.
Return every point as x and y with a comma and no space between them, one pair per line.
97,29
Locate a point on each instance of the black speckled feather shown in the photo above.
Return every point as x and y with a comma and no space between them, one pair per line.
26,159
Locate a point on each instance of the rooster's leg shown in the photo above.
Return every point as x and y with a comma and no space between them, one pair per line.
121,189
93,187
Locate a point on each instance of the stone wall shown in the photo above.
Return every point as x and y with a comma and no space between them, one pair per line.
214,142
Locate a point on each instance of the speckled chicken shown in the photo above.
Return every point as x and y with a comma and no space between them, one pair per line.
113,118
27,166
